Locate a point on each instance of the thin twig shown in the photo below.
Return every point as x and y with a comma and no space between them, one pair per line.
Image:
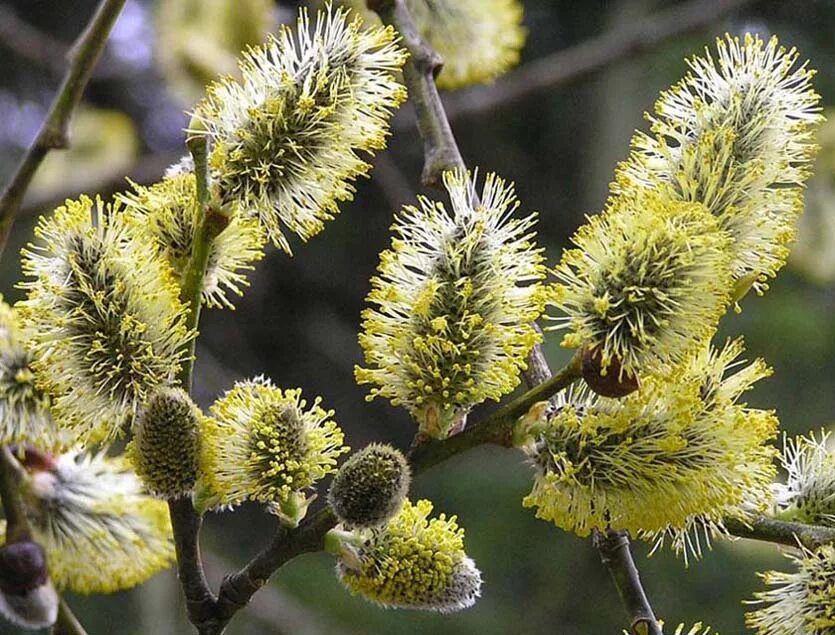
440,149
279,609
54,130
589,56
24,40
67,623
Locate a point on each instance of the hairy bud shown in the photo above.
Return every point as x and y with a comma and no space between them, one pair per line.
370,487
609,381
165,447
413,563
27,597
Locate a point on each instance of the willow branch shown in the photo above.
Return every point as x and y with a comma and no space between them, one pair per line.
238,588
441,153
440,149
24,40
591,55
54,132
497,428
615,555
781,532
185,521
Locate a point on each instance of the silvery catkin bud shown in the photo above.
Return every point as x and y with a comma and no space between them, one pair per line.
370,487
166,441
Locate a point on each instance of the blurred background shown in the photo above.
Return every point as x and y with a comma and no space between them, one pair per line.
298,323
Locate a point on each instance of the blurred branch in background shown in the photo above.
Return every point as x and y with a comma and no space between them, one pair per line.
36,46
31,44
54,130
590,56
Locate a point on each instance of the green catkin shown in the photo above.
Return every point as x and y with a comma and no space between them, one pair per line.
166,443
370,487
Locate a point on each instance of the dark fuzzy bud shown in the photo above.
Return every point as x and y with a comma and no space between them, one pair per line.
370,487
27,597
614,381
22,567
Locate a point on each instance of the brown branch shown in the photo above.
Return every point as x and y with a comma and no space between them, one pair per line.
591,55
615,555
54,130
440,149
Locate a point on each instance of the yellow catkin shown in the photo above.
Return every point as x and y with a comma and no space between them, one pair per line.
452,306
286,138
102,317
414,562
737,135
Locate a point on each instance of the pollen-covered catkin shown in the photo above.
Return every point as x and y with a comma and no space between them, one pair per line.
266,444
645,284
102,318
166,443
24,407
478,40
808,494
736,135
413,562
286,138
681,446
370,487
449,324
